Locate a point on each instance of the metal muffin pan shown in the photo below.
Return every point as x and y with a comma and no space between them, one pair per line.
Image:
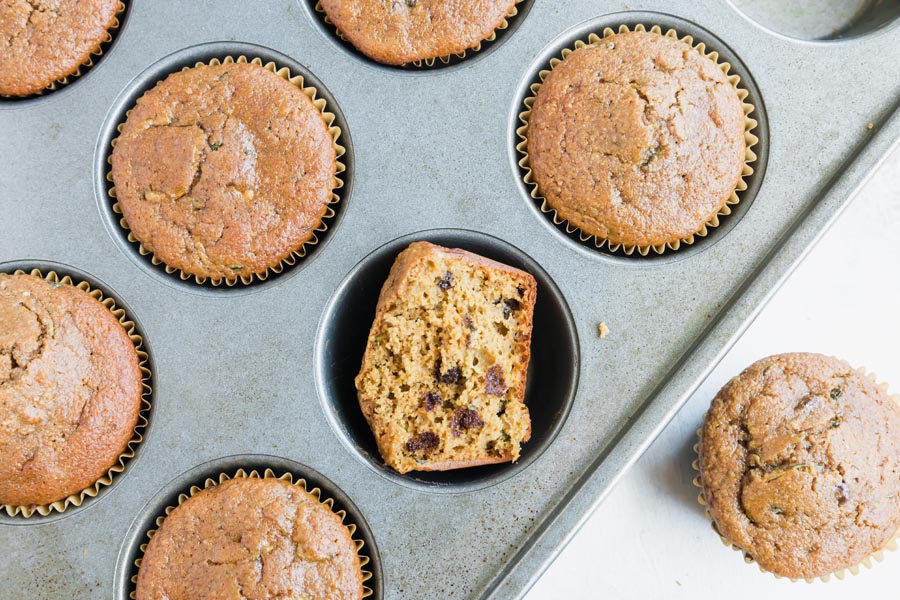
236,373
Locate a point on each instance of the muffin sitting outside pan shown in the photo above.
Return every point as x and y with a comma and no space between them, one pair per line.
224,171
637,140
799,461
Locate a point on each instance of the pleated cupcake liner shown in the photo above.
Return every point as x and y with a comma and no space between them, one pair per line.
42,510
601,243
210,482
431,63
92,58
892,545
295,256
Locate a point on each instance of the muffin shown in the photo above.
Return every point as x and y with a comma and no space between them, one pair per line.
442,383
70,390
637,140
44,42
799,463
411,31
251,538
224,171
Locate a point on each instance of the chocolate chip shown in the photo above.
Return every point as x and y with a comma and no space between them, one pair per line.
446,282
451,377
468,322
411,3
513,304
463,419
493,381
836,393
842,492
427,440
430,400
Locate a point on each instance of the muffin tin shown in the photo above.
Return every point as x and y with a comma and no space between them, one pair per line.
239,372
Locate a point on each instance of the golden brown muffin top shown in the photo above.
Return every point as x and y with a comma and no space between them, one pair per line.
70,390
800,464
398,32
223,171
637,139
254,539
42,41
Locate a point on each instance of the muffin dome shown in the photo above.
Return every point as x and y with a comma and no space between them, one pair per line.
637,139
45,42
800,464
251,538
407,31
223,171
70,390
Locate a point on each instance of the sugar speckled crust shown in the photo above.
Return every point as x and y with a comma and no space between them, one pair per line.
223,171
253,539
800,464
43,41
637,139
70,390
397,32
423,327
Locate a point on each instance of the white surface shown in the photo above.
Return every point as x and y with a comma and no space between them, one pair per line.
650,538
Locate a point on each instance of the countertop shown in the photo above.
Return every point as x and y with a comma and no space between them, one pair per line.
650,538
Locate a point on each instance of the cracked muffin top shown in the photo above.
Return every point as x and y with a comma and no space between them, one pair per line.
800,464
70,390
397,32
637,139
255,539
224,171
43,41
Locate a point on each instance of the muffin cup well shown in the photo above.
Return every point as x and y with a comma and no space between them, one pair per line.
867,562
93,56
143,363
429,63
750,140
255,474
298,254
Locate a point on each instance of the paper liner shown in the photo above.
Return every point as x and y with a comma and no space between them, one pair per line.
142,422
92,57
867,562
750,140
292,258
428,63
254,474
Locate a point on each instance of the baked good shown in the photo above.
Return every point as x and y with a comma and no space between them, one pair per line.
223,171
42,42
442,383
398,32
70,390
637,139
799,464
251,538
